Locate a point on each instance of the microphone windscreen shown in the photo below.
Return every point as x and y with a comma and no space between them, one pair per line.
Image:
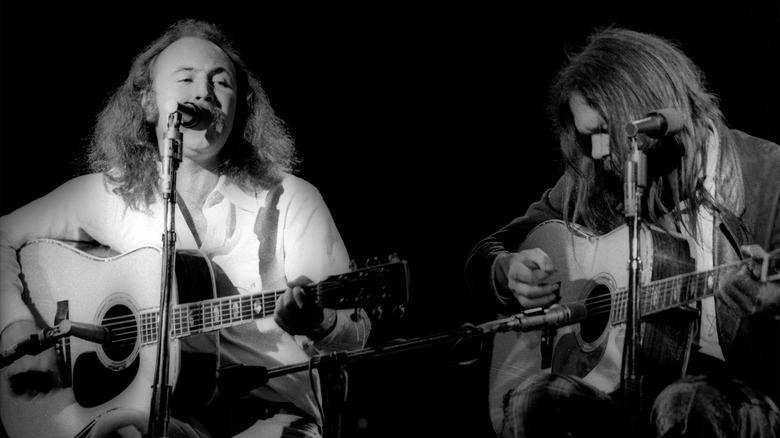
674,120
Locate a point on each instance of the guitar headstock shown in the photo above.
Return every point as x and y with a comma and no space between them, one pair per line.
374,286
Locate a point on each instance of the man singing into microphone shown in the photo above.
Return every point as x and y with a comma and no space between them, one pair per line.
709,185
238,204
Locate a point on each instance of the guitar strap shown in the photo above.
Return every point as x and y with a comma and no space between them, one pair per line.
266,230
185,213
732,235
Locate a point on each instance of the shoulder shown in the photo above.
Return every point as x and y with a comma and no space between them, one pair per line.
755,149
295,183
758,158
88,186
297,189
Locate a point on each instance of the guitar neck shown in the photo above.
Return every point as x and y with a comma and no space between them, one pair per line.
672,292
371,286
210,315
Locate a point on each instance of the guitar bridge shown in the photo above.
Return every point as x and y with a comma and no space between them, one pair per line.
62,347
547,334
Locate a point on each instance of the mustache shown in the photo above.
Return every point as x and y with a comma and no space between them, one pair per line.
218,118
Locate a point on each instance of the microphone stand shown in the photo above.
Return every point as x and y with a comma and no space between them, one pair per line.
631,376
160,414
332,364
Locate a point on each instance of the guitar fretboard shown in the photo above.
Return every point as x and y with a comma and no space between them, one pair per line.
210,315
672,292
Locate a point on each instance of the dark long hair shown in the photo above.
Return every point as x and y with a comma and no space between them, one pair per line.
624,75
124,145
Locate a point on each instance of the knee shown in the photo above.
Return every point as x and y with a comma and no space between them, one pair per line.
553,405
691,407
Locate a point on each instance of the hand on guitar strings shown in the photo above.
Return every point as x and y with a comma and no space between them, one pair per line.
523,274
743,291
298,313
30,375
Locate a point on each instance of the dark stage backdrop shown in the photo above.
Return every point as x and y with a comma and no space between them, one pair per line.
424,128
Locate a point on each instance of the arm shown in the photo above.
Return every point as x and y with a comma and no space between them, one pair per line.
489,266
314,250
742,293
67,213
63,214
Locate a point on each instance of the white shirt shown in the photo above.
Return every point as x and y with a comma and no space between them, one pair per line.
305,241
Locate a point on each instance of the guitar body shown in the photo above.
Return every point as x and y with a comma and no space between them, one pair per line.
64,282
592,269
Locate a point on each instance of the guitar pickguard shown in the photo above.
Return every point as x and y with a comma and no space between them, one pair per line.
94,384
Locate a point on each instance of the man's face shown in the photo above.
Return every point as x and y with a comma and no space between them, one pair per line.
593,132
197,71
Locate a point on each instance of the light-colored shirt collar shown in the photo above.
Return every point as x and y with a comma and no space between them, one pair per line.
246,199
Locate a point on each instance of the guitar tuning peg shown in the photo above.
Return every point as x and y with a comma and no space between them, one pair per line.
373,261
376,313
399,310
352,265
393,258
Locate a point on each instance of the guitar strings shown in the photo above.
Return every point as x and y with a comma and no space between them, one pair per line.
661,290
124,329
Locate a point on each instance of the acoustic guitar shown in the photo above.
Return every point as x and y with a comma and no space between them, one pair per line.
593,270
121,293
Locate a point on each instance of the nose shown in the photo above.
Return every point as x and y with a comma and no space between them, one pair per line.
599,146
204,91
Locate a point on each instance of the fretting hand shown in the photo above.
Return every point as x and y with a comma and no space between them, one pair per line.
298,313
746,293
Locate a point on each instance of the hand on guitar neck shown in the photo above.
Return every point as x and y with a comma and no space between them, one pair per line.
753,289
297,312
522,276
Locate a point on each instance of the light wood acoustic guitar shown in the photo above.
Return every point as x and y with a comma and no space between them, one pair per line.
121,293
593,270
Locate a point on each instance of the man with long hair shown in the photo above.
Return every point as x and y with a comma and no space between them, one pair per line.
711,187
238,204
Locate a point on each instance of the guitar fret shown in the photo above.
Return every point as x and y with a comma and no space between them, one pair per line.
651,300
212,316
148,325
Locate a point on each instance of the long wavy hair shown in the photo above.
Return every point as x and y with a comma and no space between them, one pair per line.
124,146
624,75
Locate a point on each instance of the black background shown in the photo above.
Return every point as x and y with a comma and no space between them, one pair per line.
424,128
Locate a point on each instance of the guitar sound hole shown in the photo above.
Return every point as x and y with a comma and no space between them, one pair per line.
598,304
124,332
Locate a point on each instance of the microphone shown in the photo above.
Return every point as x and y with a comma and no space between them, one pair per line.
48,337
192,116
535,319
88,332
657,124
